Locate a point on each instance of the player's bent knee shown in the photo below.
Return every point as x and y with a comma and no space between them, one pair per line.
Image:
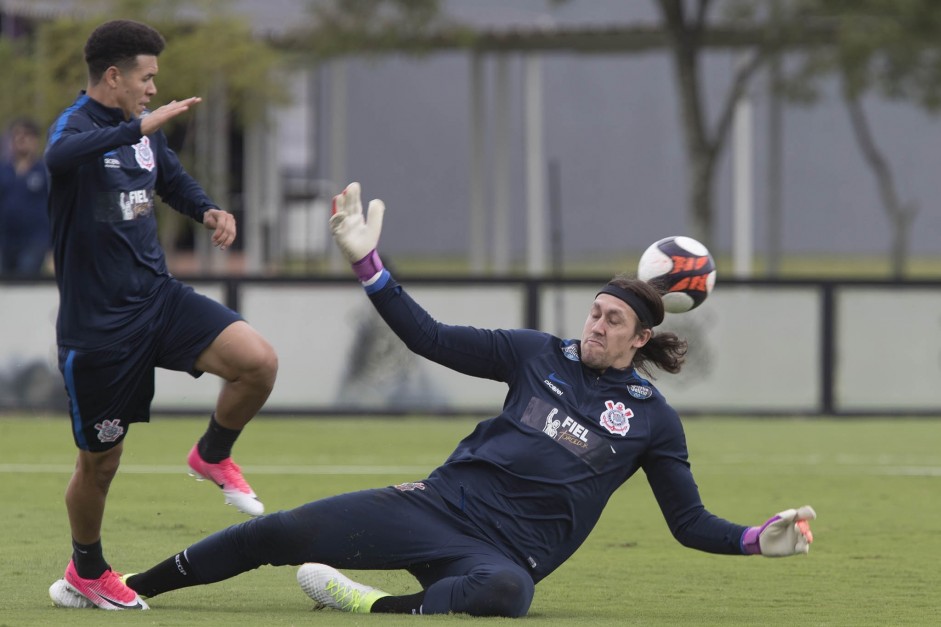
274,539
507,593
265,368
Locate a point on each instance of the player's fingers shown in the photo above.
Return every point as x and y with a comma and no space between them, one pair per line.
377,209
804,528
802,545
352,202
806,512
223,228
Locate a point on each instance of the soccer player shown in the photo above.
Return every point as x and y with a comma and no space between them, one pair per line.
121,313
521,493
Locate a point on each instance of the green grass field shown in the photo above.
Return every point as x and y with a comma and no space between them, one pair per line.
876,486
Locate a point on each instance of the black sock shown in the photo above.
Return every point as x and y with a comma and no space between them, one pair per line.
403,604
170,574
216,443
88,559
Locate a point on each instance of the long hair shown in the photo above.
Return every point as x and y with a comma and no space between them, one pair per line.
118,43
665,349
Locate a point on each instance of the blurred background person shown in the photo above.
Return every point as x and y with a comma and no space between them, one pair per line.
24,188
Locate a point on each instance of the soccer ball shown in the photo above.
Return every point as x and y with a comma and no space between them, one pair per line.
681,269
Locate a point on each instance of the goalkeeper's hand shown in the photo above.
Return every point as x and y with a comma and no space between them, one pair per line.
786,533
356,236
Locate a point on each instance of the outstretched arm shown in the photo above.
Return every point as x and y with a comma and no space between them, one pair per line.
485,353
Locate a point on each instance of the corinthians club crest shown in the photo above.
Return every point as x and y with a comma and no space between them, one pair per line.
616,418
143,154
109,430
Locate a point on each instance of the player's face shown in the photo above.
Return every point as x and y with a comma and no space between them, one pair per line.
612,334
135,85
23,143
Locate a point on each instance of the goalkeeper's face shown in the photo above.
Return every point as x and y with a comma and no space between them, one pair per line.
612,334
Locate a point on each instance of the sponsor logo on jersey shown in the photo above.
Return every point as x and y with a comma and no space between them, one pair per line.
109,430
143,154
616,418
552,387
566,430
408,487
570,350
552,381
552,426
111,159
138,203
641,392
569,433
557,379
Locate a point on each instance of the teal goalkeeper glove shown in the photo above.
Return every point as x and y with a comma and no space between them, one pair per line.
356,236
786,533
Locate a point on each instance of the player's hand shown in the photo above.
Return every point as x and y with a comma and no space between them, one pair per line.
154,120
786,533
356,235
222,224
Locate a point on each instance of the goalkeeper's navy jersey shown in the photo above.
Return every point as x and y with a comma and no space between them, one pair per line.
109,264
536,478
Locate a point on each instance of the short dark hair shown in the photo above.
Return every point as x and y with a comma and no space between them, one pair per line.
26,124
118,43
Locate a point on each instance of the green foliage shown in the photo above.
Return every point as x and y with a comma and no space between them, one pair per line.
17,95
206,43
886,46
343,27
873,483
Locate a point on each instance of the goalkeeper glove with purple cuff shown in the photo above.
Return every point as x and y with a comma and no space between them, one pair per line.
356,236
786,533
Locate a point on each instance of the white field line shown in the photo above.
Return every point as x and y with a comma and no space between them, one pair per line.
840,464
247,469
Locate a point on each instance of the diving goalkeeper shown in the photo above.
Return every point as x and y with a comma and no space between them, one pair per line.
520,494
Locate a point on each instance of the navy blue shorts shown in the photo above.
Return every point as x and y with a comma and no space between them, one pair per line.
112,387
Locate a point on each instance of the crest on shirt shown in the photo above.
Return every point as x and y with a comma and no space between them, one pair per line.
570,350
109,430
616,418
143,154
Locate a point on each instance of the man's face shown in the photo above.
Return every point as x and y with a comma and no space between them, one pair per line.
23,142
610,337
135,85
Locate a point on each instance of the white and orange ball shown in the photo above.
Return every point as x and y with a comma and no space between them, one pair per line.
681,269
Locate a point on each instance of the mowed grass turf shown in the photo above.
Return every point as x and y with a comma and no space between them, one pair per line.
875,483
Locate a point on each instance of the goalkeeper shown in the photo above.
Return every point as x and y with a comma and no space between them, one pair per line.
521,493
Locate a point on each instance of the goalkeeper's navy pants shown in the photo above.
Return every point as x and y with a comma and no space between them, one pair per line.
403,527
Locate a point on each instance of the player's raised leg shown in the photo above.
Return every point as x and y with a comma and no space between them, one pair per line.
249,365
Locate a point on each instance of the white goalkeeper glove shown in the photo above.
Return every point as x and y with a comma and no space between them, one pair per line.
356,236
786,533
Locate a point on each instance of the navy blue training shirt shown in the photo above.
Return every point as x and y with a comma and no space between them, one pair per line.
536,478
108,259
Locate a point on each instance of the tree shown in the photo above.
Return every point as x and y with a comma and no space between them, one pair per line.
45,71
886,47
210,53
686,28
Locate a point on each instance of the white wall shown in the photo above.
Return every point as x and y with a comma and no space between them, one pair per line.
753,348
